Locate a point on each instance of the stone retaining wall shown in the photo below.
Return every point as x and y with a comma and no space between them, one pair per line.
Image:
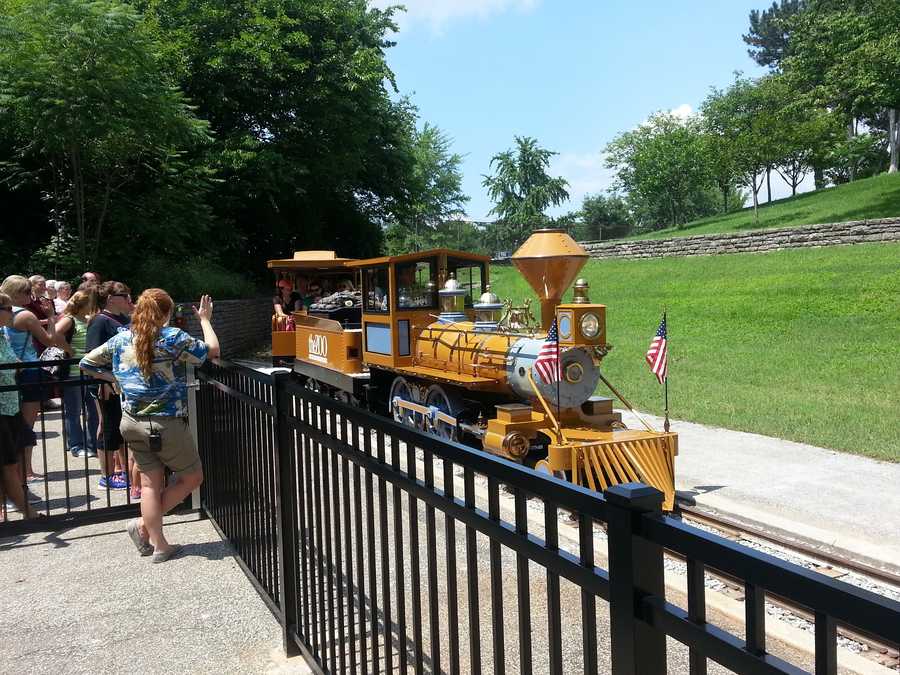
852,232
239,324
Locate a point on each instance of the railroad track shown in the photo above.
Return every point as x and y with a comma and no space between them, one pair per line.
824,562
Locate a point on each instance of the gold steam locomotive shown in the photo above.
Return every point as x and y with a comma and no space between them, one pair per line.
424,340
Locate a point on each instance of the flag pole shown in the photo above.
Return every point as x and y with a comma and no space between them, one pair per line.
558,366
666,383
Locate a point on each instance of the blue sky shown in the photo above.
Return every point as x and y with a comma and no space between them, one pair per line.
571,73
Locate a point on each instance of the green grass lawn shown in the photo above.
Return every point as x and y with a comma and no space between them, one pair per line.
877,197
800,344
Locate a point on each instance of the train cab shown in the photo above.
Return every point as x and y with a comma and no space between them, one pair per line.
400,299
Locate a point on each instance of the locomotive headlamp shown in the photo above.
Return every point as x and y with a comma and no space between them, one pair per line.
573,373
590,326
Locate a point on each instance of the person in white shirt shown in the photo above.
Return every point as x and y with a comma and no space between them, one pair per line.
63,293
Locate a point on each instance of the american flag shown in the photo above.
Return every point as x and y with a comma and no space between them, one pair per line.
658,354
547,364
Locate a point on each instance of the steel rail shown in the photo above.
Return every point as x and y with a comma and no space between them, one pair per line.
832,559
736,529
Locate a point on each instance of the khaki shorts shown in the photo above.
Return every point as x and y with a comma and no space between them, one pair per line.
178,450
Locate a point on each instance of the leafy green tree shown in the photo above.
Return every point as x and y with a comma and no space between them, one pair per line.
770,32
721,158
436,194
846,55
603,217
522,190
748,117
90,111
660,167
311,147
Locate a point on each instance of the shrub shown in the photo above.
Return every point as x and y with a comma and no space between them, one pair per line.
188,279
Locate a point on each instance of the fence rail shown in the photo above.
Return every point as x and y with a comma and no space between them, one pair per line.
66,491
378,548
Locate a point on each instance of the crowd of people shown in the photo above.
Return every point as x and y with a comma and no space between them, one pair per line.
127,389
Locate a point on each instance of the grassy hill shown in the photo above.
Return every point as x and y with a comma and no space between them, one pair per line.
799,344
877,197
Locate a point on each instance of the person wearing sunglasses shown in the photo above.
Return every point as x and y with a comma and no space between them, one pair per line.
115,305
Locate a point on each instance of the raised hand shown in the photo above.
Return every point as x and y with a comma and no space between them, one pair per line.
206,308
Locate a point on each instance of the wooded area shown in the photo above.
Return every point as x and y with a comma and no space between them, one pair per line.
191,141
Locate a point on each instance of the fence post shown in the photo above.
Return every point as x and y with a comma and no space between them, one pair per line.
193,389
635,569
285,516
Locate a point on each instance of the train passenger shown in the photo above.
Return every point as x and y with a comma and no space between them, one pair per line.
313,293
412,292
287,299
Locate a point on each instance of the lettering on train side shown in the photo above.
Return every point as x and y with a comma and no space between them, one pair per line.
318,348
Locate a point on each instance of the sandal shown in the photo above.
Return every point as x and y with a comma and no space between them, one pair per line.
161,557
144,547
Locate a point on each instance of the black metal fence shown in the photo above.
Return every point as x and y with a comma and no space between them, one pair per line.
378,548
66,459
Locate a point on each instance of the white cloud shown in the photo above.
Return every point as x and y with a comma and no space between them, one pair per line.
587,175
683,112
436,14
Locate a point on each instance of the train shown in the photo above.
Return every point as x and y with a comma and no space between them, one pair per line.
422,338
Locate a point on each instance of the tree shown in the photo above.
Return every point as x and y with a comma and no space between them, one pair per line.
770,32
522,190
90,111
660,167
748,117
312,148
435,190
846,56
603,217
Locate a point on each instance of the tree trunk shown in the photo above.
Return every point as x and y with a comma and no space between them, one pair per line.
818,177
768,184
725,199
894,138
755,202
78,203
851,132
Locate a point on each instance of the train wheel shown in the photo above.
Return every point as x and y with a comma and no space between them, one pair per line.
401,389
544,467
438,398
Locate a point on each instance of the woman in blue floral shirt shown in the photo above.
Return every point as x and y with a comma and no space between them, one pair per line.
148,363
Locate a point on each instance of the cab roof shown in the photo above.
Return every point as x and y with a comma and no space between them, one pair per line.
310,260
419,255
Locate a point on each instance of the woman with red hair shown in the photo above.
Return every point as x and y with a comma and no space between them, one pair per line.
147,362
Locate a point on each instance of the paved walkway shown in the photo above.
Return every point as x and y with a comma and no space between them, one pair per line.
83,601
839,500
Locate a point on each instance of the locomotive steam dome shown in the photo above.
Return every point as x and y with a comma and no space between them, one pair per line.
487,311
453,300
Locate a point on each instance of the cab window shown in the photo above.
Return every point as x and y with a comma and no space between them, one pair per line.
470,275
375,289
413,279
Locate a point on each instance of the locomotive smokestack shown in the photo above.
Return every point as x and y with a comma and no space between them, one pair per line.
549,260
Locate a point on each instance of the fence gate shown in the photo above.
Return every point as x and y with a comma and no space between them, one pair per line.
67,458
382,549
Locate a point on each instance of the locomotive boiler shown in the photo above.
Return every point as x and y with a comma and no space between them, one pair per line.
438,351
